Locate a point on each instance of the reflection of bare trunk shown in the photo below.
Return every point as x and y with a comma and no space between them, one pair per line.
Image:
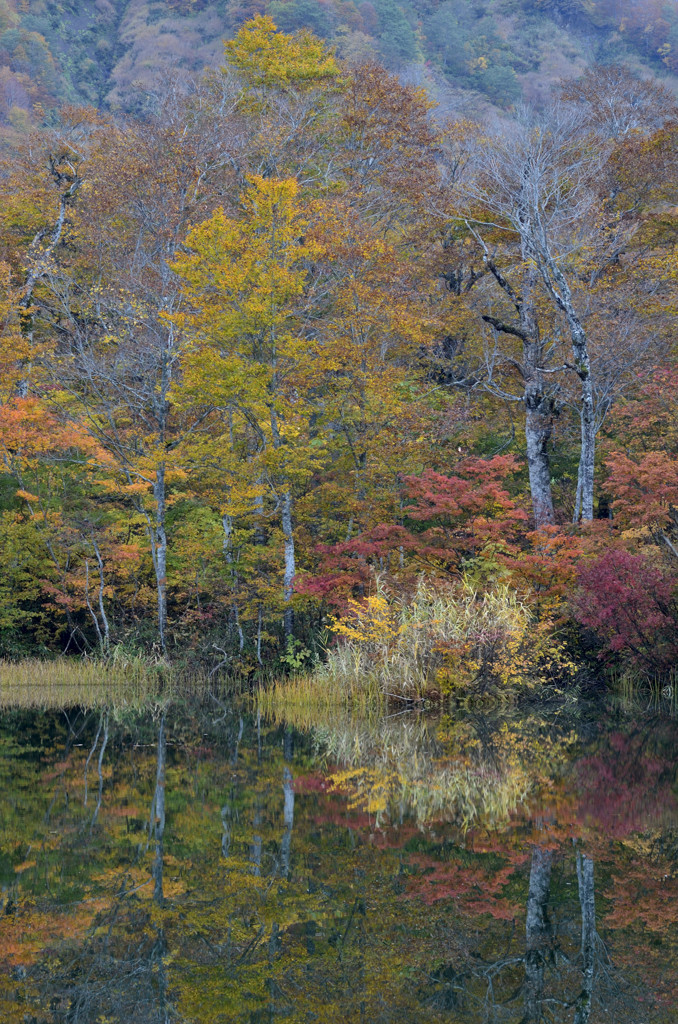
274,949
226,816
159,813
91,755
588,936
255,847
158,955
288,819
236,745
537,933
99,771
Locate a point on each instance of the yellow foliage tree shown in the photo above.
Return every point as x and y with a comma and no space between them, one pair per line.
266,56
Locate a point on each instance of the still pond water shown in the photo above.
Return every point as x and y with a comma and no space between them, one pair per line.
204,864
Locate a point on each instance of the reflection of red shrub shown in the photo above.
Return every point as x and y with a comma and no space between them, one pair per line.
631,607
624,787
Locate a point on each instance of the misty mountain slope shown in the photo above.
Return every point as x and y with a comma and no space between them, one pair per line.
497,52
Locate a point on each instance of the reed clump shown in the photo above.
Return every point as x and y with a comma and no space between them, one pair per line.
440,640
636,691
440,643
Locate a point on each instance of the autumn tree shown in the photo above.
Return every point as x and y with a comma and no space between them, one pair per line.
249,357
537,188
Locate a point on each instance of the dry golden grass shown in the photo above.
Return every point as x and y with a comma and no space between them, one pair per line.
305,697
439,642
64,682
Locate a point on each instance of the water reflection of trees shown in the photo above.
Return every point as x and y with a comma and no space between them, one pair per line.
477,769
559,971
242,888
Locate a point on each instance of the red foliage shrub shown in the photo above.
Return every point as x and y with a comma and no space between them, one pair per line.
631,607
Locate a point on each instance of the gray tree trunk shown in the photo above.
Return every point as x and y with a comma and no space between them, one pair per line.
560,291
102,606
41,258
538,408
538,426
287,523
290,564
227,523
159,544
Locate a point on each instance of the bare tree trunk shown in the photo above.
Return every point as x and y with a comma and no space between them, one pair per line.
260,622
290,566
576,515
102,608
561,294
159,542
588,450
288,534
227,523
41,257
91,610
537,436
588,937
537,933
538,408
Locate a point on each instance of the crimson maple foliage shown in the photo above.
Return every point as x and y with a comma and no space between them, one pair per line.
631,606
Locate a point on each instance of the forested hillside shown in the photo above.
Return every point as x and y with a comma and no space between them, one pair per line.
108,53
292,344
